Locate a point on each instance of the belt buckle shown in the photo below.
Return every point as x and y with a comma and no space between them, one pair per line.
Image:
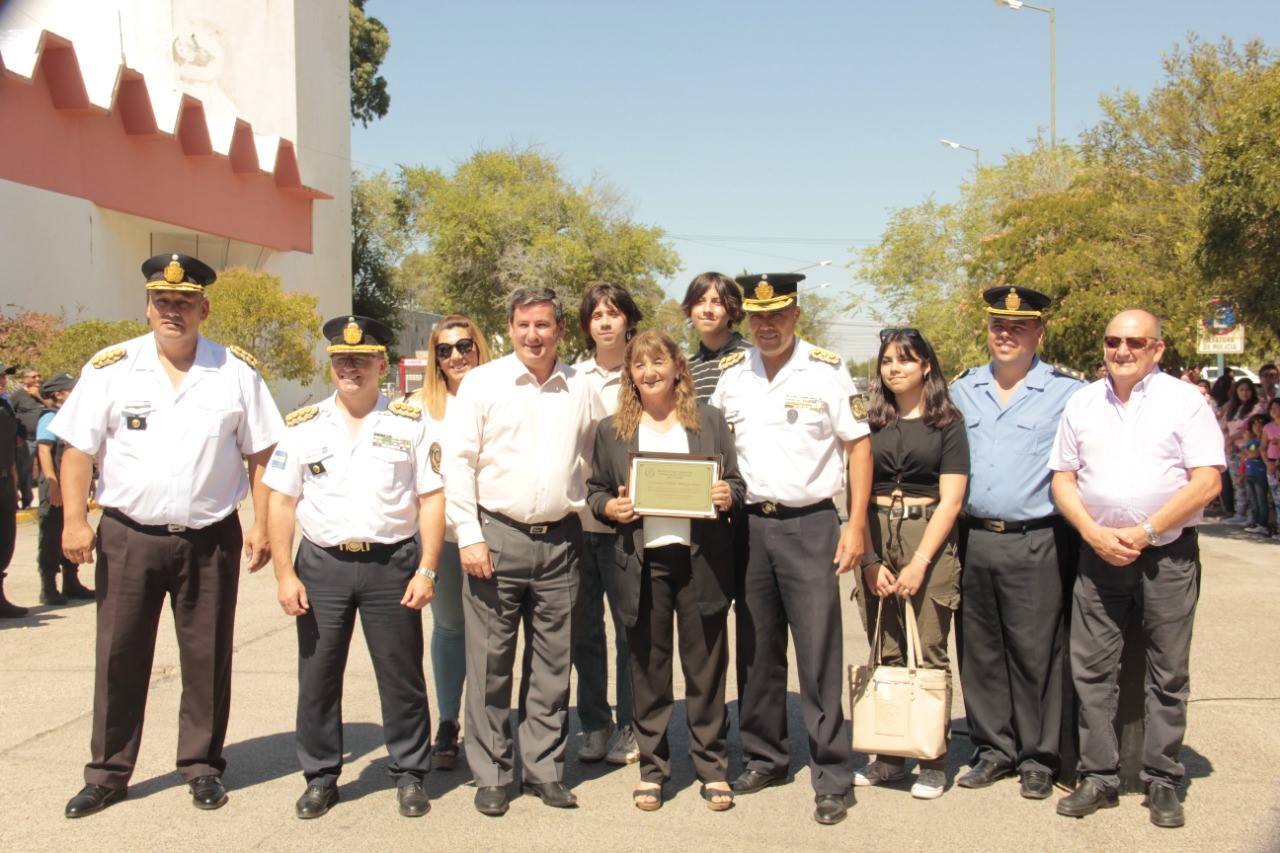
995,525
538,529
895,511
176,528
769,508
355,547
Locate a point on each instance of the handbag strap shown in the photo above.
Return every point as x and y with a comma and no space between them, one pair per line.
913,636
875,644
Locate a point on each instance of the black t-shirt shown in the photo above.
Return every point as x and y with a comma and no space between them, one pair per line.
911,455
8,434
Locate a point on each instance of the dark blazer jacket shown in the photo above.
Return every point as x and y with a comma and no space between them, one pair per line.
711,549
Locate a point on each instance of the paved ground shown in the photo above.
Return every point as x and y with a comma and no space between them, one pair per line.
46,674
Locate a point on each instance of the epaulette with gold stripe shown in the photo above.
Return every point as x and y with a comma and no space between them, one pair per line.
1070,371
301,416
825,356
732,358
108,356
244,356
405,410
961,375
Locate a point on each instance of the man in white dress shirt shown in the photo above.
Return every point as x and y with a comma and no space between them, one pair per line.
171,415
523,426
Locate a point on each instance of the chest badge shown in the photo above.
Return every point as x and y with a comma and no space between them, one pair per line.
137,422
316,468
792,416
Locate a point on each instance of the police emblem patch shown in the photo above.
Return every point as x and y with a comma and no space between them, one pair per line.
174,273
351,333
435,456
858,406
316,468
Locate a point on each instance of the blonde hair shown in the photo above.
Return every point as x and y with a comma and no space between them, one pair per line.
435,390
651,344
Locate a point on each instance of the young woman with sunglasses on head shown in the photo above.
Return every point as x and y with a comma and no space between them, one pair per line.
921,456
456,346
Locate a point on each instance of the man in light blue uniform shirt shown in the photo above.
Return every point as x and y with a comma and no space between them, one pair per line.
1016,550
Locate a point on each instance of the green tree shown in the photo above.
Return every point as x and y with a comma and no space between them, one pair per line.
370,42
251,310
379,243
507,219
74,345
1239,253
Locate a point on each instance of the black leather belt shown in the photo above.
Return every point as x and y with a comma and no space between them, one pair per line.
907,510
773,509
538,529
996,525
158,529
362,550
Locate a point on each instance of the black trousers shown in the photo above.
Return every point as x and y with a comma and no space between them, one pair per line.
50,558
338,587
8,520
1012,637
667,597
137,569
790,582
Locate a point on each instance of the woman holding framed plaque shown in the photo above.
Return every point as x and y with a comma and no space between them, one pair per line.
674,561
921,455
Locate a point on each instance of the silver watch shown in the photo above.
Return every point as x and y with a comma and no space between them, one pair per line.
426,573
1152,536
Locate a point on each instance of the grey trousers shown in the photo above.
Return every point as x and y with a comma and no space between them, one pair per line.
1166,581
535,584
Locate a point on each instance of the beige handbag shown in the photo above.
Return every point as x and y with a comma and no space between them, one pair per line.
899,710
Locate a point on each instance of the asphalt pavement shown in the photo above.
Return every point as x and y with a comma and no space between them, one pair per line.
46,692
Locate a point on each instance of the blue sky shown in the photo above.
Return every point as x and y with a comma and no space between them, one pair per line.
766,135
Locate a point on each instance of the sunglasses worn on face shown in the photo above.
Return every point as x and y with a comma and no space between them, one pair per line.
885,334
463,346
1135,344
359,362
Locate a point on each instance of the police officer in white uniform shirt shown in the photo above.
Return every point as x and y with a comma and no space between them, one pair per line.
361,475
799,425
170,415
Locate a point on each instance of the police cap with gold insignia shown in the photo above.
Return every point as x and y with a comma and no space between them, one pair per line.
355,334
1008,301
768,291
178,272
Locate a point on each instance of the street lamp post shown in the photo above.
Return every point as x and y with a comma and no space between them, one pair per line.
810,266
1053,87
977,153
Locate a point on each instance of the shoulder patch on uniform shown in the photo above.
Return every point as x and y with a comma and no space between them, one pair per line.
301,416
732,358
858,405
405,410
435,456
244,356
1063,370
961,375
825,356
108,356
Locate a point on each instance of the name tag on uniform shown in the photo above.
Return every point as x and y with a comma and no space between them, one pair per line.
390,442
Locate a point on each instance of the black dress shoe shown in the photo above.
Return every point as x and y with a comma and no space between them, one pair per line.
1037,784
751,781
554,794
832,808
492,801
93,799
413,800
983,774
207,792
1166,811
316,801
1086,800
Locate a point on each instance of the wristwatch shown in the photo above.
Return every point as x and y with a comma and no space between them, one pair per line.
1152,536
426,573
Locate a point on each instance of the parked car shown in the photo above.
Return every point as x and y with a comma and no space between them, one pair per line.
1237,372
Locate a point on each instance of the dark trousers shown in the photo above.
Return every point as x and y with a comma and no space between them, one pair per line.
25,459
535,584
790,581
50,558
8,519
338,587
1165,581
667,596
590,644
137,569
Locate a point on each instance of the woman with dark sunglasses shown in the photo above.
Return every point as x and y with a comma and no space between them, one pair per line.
921,456
456,346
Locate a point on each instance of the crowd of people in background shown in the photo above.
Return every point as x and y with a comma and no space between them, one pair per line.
498,494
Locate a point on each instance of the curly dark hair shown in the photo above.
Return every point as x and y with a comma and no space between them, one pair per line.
883,407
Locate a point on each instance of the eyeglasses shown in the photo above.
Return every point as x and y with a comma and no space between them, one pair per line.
885,334
359,362
462,345
1134,344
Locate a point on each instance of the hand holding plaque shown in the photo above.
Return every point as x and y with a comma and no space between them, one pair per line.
679,485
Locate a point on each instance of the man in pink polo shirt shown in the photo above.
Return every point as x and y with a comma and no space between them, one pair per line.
1137,457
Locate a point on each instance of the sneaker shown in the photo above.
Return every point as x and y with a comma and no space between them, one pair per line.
1237,520
877,772
929,785
625,749
595,744
1256,528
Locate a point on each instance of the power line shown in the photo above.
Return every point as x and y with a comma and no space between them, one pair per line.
802,241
